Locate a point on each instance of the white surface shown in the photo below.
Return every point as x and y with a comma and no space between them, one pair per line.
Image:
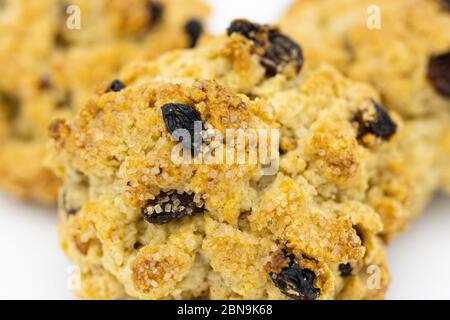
262,11
419,259
32,267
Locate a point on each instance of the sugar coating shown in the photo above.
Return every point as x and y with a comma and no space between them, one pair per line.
114,157
394,59
409,170
51,70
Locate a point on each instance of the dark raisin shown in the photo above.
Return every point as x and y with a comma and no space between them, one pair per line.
137,245
170,206
439,73
245,28
446,5
116,86
379,124
194,30
155,12
345,269
180,116
276,50
294,282
282,51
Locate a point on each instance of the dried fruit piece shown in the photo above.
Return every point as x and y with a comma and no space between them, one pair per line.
439,73
295,282
116,86
155,11
345,269
194,30
446,4
170,206
376,122
180,116
277,51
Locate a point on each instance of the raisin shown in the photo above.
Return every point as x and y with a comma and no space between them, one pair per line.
345,269
276,50
439,73
379,124
180,116
194,30
170,206
295,282
446,5
155,12
137,245
116,86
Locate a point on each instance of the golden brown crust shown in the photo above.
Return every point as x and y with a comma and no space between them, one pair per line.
314,208
394,58
53,69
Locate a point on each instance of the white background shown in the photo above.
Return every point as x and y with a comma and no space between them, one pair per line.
32,267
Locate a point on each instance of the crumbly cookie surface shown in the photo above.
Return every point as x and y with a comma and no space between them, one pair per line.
307,231
409,169
407,60
405,56
53,68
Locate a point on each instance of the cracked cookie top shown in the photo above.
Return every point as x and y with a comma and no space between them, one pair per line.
165,229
